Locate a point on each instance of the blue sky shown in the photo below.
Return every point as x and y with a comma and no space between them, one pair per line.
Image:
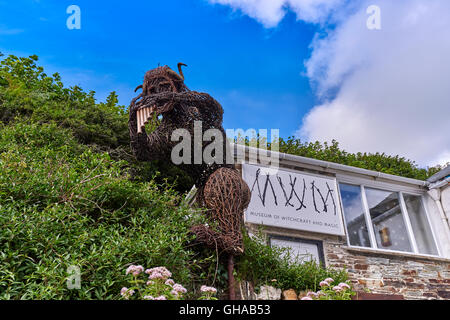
256,73
310,68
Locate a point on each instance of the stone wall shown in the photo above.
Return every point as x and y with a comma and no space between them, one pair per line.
411,276
408,275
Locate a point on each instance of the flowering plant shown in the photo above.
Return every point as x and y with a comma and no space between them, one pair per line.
158,286
208,293
342,291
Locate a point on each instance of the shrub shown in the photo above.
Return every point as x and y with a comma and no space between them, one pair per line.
381,162
262,264
332,152
63,205
28,94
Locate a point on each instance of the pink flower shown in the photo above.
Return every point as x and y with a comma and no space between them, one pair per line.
208,289
179,288
126,293
324,284
306,298
158,273
329,280
148,298
134,270
129,269
337,288
169,282
161,298
150,282
311,294
344,285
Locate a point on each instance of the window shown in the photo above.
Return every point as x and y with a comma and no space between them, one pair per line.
420,225
302,250
354,215
388,220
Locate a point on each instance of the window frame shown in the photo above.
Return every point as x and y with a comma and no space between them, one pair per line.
318,243
405,215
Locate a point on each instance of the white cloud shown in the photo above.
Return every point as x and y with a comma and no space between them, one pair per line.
393,84
271,12
390,88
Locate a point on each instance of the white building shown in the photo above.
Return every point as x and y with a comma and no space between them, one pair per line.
390,233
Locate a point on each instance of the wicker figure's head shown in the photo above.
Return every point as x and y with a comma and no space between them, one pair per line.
163,79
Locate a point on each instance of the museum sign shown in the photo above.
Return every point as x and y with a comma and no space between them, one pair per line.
300,201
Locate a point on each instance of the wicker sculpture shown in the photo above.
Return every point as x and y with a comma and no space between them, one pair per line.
220,187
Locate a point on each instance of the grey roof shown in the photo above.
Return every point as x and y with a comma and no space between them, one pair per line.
440,175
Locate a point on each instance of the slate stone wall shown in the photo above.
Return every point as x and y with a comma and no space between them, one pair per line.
391,274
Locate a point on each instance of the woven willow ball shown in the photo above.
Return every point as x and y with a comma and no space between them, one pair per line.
225,189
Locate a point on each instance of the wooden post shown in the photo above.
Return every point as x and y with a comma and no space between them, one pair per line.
232,294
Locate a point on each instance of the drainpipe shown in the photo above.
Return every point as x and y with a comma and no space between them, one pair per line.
439,184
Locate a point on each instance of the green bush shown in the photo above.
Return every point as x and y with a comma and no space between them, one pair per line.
31,93
28,93
62,204
265,265
331,152
381,162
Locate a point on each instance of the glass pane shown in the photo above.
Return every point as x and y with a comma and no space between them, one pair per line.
419,224
387,219
354,215
300,251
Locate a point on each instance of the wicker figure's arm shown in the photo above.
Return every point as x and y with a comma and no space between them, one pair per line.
208,109
146,147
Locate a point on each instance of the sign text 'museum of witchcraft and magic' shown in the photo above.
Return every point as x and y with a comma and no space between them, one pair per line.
293,200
